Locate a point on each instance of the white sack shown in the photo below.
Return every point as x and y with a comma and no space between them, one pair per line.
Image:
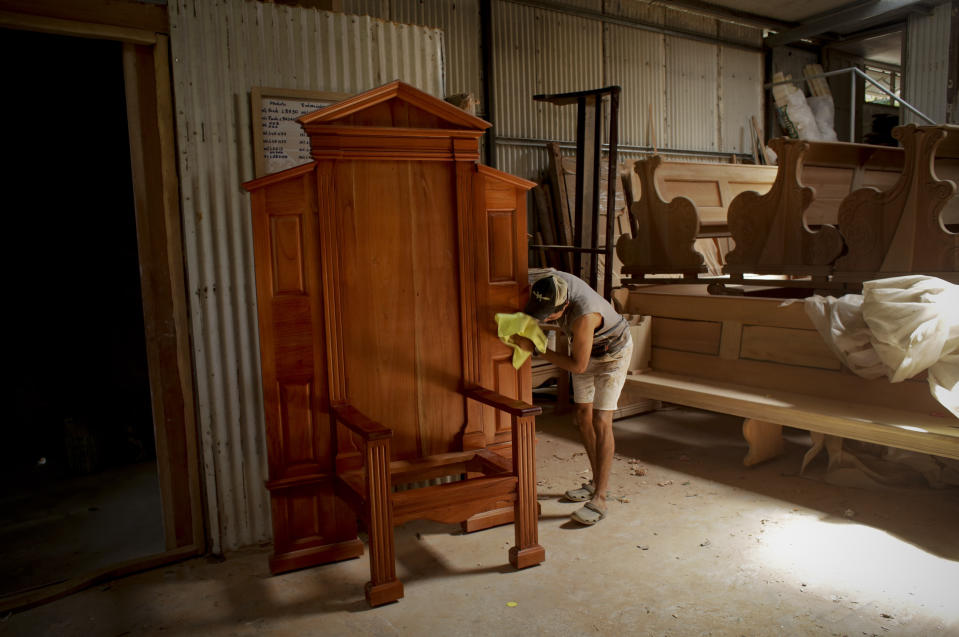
824,110
897,327
801,115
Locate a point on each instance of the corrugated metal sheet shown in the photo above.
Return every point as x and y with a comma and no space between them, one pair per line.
692,22
220,50
741,96
691,95
702,103
741,33
926,72
372,8
649,11
526,160
537,51
460,21
636,62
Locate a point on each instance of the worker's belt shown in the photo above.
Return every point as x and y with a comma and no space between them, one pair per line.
612,344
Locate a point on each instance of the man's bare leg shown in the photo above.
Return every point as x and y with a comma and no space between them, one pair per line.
584,420
603,449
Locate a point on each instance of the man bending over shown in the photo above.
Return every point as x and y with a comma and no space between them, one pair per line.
600,350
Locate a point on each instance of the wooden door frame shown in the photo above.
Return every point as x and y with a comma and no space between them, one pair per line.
148,85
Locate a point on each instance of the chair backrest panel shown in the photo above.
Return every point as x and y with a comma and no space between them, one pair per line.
400,299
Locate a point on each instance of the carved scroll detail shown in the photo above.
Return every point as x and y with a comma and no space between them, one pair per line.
770,233
667,230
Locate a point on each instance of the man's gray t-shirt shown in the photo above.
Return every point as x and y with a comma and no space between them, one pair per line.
612,335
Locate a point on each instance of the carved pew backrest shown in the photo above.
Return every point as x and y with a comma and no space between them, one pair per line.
678,205
835,169
946,168
909,227
791,229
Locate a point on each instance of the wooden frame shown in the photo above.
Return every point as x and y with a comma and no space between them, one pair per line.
146,67
258,93
156,194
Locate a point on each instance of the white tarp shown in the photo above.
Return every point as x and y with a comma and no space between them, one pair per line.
896,328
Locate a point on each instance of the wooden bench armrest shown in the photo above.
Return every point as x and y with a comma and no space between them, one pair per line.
509,405
359,424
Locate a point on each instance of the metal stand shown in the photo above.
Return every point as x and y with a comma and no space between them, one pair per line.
589,116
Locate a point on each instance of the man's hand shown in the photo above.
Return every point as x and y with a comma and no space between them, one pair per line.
523,343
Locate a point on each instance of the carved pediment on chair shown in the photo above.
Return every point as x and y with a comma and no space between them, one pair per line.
394,120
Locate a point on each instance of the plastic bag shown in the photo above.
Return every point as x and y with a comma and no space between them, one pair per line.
824,111
801,115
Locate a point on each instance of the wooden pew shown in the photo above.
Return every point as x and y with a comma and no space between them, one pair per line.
764,361
911,225
677,203
791,229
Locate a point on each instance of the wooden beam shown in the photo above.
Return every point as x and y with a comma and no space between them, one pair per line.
40,24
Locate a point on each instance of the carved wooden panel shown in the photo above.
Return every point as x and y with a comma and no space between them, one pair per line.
688,336
501,225
667,230
770,231
900,230
293,362
805,348
500,216
287,234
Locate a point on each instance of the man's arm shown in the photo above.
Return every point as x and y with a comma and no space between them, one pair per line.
576,362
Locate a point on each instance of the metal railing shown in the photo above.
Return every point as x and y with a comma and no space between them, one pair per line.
853,73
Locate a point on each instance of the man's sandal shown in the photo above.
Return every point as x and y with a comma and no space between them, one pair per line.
589,515
582,494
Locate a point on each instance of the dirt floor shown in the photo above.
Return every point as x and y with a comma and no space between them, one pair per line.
694,544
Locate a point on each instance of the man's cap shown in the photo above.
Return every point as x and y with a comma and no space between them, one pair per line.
547,296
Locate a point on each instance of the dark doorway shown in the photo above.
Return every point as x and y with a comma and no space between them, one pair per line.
80,489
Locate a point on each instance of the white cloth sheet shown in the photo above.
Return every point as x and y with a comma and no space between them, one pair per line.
896,328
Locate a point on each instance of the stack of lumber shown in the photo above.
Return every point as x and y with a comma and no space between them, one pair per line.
555,203
818,86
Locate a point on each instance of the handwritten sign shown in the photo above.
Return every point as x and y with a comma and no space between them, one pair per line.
278,139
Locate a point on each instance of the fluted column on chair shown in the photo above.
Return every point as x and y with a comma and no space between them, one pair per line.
383,586
527,551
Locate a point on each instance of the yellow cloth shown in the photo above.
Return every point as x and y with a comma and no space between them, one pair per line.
525,325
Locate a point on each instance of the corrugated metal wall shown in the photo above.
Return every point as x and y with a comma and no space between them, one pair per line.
458,19
926,71
703,104
222,48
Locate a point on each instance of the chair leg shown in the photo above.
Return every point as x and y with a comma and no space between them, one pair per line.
383,586
527,551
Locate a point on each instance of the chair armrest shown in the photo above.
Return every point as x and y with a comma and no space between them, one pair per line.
359,424
509,405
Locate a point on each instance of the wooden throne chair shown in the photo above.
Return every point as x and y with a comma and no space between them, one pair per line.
379,268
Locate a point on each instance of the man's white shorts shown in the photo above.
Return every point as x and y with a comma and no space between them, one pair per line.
603,380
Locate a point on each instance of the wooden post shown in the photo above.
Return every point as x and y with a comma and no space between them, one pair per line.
765,441
527,551
383,586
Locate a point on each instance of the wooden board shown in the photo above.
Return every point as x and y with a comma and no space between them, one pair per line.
901,428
